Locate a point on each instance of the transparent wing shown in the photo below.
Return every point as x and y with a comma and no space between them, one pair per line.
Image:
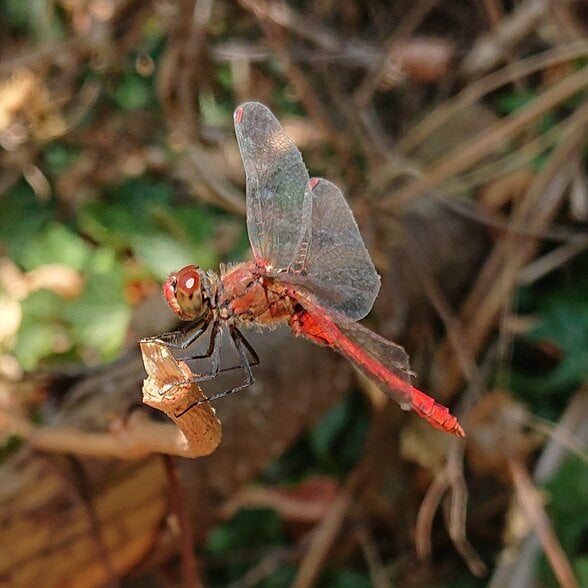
331,260
278,208
382,361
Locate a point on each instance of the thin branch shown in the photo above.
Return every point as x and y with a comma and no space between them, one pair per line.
477,90
489,140
325,534
198,432
178,504
499,276
517,561
371,81
532,505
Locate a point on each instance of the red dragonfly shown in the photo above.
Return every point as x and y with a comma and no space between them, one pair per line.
311,270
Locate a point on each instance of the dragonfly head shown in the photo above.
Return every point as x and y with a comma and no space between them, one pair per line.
185,292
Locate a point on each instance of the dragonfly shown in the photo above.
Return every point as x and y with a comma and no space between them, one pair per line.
310,269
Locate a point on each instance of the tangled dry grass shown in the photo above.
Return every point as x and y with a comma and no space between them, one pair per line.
458,131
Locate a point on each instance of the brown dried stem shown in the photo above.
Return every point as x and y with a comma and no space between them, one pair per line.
186,532
516,563
325,534
450,480
371,81
489,140
509,31
532,505
473,92
171,389
199,430
499,276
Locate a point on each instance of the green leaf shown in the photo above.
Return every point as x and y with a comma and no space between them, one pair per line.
40,329
567,500
212,113
95,324
562,308
565,324
581,567
144,219
56,244
342,578
515,101
324,436
23,217
17,13
100,317
133,93
337,440
567,505
59,157
191,224
128,209
162,255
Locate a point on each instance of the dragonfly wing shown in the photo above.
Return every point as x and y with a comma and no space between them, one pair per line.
391,368
382,361
278,207
331,260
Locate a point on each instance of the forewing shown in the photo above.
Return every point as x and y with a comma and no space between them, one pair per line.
276,177
331,260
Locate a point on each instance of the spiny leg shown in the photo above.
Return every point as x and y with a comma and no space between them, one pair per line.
214,352
196,334
211,344
190,334
241,346
254,358
249,347
215,348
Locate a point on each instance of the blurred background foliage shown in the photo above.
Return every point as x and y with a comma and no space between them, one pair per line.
119,165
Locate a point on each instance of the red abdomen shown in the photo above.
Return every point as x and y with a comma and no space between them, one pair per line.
379,360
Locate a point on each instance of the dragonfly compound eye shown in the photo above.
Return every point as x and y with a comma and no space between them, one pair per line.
188,280
183,293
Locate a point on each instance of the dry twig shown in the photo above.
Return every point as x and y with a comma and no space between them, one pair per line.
449,479
497,45
325,534
530,501
198,435
489,140
199,425
516,563
499,276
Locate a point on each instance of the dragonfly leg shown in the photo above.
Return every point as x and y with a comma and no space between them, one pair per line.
242,346
214,352
192,334
248,347
186,336
211,344
215,343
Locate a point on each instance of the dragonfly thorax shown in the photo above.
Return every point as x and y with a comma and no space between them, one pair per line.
188,293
